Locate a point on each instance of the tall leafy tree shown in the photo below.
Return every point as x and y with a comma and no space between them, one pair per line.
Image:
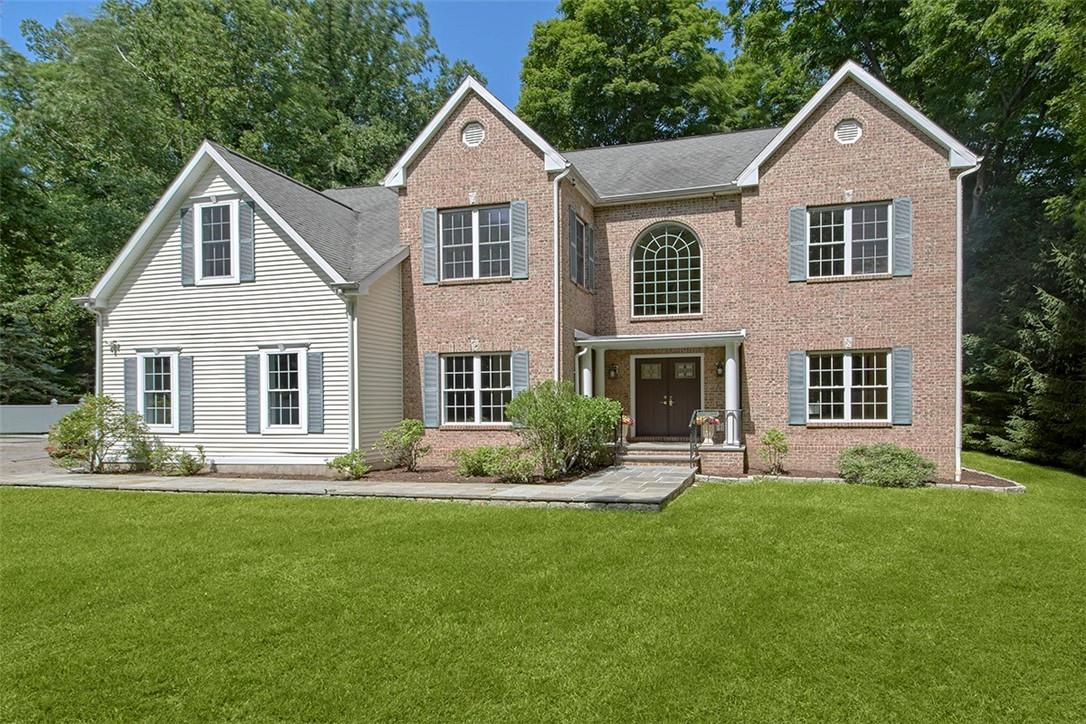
107,109
619,71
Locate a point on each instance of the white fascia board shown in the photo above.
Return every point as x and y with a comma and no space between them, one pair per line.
658,341
552,159
393,263
958,156
200,161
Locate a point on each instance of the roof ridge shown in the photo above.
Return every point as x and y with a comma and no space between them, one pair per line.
667,140
280,174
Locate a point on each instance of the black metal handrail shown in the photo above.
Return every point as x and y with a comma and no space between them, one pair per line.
724,417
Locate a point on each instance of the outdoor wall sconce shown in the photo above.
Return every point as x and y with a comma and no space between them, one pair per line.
612,372
719,369
114,346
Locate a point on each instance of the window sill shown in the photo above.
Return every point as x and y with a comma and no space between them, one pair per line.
283,431
668,318
582,287
215,281
472,427
846,423
481,280
849,278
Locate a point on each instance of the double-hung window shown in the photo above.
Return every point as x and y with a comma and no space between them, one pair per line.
848,386
283,372
578,248
476,388
475,243
217,242
157,392
848,240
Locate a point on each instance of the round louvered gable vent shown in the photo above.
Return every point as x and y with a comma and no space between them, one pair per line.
473,134
848,131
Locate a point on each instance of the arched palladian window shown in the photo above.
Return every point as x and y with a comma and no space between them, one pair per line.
666,272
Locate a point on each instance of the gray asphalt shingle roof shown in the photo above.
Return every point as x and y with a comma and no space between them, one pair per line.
659,166
355,240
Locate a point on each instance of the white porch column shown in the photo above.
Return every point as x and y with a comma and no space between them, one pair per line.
731,392
584,361
599,372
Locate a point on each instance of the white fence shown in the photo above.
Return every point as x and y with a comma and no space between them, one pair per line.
31,418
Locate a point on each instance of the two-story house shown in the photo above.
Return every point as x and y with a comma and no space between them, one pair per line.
806,278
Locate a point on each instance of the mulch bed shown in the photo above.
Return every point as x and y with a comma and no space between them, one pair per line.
398,475
973,477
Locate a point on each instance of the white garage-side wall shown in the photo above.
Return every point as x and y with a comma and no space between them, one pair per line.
380,360
218,325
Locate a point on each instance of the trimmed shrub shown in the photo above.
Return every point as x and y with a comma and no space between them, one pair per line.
508,462
886,465
774,448
352,465
566,432
402,446
97,432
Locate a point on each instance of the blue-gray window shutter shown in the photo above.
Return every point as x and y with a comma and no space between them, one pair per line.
431,371
428,227
518,239
590,254
797,388
252,393
573,245
519,364
902,391
246,242
903,237
188,248
797,244
314,376
130,385
184,393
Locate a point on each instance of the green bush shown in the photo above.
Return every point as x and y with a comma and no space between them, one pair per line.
566,432
352,465
774,448
402,445
189,464
152,454
510,463
98,432
886,465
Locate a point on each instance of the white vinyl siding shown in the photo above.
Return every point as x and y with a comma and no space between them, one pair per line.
380,361
218,325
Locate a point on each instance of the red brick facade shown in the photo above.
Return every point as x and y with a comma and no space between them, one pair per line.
745,275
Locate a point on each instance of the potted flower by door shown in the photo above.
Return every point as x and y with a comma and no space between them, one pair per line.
708,428
626,422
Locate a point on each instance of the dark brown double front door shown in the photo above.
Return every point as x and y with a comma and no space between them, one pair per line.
667,390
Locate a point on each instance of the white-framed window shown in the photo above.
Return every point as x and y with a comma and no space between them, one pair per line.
666,272
157,390
849,240
475,388
578,262
216,242
475,243
283,389
848,386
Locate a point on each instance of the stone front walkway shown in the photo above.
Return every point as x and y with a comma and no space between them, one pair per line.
631,487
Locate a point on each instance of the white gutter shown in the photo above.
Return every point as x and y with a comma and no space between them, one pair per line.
958,329
557,277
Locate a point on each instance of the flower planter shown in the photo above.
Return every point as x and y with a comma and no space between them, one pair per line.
709,434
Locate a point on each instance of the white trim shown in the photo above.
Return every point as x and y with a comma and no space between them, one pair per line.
556,255
476,388
663,355
141,360
658,341
198,243
320,459
960,231
171,200
301,428
701,274
474,211
958,156
370,279
397,176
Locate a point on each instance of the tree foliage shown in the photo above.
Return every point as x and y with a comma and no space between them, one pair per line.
100,118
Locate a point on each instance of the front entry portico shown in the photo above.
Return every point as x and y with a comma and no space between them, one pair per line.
661,379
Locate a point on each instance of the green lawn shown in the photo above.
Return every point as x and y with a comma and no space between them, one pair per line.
768,601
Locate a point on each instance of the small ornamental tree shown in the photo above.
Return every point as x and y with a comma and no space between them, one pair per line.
402,445
97,432
564,431
774,448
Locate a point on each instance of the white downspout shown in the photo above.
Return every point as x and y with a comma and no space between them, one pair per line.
958,329
584,374
350,301
557,277
98,351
